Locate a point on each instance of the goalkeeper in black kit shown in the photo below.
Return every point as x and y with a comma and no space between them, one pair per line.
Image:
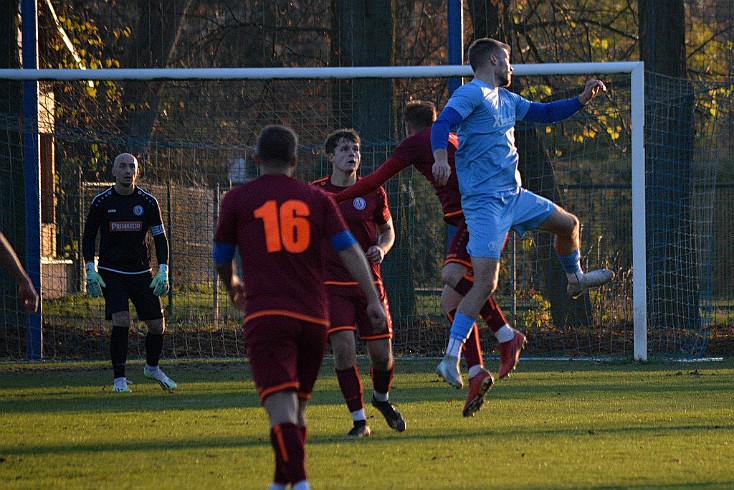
124,214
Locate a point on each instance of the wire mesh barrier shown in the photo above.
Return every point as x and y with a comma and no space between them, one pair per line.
194,140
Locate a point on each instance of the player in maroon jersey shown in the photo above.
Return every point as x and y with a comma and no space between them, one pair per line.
457,276
369,220
280,225
123,215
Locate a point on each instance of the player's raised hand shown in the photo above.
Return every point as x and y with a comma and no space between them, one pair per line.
591,89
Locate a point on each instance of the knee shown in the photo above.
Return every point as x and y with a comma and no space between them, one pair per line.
572,229
344,351
449,299
447,276
489,288
484,286
381,360
451,276
156,327
121,319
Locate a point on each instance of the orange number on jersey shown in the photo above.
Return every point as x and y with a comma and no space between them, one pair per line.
286,227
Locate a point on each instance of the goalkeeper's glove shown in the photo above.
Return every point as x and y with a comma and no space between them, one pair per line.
160,281
94,281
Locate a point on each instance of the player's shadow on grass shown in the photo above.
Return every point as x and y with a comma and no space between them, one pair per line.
421,436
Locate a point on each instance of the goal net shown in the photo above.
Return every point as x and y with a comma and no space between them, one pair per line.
194,131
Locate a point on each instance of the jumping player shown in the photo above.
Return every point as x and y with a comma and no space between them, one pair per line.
491,194
415,150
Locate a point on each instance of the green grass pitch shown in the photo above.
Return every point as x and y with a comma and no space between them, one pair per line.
561,424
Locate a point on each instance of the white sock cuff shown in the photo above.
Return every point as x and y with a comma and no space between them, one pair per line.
454,347
474,370
504,334
381,397
358,415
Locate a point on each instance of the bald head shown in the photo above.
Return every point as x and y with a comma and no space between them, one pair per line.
125,170
125,157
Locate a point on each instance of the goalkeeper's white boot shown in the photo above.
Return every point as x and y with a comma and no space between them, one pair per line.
120,386
155,373
592,279
448,369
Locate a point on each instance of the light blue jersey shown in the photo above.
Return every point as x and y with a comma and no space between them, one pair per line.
486,161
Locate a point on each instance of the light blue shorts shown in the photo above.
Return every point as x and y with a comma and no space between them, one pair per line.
490,218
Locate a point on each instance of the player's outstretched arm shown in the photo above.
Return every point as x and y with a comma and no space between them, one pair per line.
559,110
9,259
387,170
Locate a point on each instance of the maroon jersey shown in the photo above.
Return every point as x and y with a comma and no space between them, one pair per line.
362,214
280,226
416,150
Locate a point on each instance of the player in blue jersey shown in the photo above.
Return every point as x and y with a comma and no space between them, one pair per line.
492,196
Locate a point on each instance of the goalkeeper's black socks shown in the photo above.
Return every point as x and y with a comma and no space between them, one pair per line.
118,350
153,348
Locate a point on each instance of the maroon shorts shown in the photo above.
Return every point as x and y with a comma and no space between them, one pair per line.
457,247
285,354
348,311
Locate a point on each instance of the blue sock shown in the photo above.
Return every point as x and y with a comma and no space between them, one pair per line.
571,264
461,327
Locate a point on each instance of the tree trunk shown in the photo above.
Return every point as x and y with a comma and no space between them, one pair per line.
363,36
669,104
159,25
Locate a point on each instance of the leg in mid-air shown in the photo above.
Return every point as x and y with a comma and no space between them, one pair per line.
460,279
565,226
510,341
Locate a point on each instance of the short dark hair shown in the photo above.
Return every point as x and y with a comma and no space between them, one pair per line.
333,139
481,49
419,113
277,145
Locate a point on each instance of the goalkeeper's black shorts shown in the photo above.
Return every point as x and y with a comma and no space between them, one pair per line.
122,288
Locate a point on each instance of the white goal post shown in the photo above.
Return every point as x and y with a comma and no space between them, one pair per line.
634,69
